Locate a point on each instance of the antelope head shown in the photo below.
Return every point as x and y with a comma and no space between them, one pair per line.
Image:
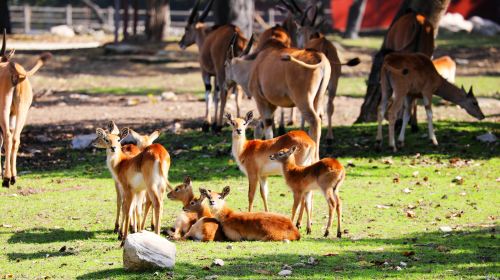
238,125
283,154
470,104
216,201
308,28
194,24
231,64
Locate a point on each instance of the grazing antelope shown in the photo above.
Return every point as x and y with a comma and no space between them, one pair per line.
207,228
328,174
446,67
184,221
309,38
16,95
411,76
252,156
130,150
146,172
212,43
239,226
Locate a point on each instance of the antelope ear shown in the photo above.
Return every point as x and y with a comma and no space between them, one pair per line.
153,136
225,191
249,117
204,193
100,133
124,133
229,119
187,181
292,149
462,88
470,93
112,128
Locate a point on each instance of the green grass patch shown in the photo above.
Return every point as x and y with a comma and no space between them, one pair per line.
72,204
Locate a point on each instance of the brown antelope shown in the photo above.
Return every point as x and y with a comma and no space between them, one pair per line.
145,172
207,228
252,156
212,43
328,174
184,221
130,150
16,95
446,67
411,76
239,226
309,38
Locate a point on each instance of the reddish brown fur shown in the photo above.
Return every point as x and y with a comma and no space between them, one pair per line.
207,228
410,29
446,67
184,194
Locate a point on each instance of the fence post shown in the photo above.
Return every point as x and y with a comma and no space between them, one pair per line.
69,15
27,18
271,13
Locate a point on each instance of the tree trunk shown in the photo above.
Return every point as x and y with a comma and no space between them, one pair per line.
117,19
158,18
5,17
125,19
135,6
355,18
433,11
237,12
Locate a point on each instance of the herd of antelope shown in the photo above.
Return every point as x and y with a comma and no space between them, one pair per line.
292,65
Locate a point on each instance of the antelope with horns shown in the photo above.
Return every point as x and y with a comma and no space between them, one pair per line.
147,172
131,150
207,228
184,194
410,76
309,38
327,175
239,226
252,156
212,43
16,95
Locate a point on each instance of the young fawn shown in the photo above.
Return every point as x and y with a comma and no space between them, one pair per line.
207,228
145,172
328,174
184,194
239,226
252,156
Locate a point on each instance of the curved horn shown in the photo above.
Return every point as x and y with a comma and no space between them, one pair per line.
230,48
205,12
248,47
194,11
299,10
304,16
288,6
4,42
315,16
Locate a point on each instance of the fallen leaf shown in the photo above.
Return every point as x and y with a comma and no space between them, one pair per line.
206,267
458,180
388,161
442,248
330,254
381,206
218,262
415,174
445,229
410,214
6,226
395,180
408,253
411,206
426,179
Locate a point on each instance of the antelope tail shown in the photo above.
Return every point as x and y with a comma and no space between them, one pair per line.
352,62
287,57
39,63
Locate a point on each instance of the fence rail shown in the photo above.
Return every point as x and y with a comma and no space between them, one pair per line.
37,19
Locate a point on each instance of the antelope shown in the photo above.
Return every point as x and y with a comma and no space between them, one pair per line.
145,172
309,38
446,67
130,150
328,174
207,228
16,95
239,226
212,43
184,194
252,156
411,76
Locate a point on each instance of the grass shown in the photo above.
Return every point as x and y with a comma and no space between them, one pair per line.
71,203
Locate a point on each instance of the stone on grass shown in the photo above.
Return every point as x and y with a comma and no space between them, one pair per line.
446,229
487,138
146,250
285,272
218,262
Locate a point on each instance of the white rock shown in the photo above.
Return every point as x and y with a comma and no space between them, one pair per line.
169,96
229,247
83,141
218,262
286,267
455,22
146,250
403,264
211,277
406,190
445,229
63,31
398,268
285,272
487,138
484,26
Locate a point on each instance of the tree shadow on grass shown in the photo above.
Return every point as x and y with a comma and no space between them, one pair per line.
47,235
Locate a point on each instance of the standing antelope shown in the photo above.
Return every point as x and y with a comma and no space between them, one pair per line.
16,95
411,76
145,172
328,174
184,221
212,43
131,150
239,226
207,228
252,156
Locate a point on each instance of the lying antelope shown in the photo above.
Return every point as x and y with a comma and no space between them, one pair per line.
327,175
184,221
147,172
131,150
411,76
252,156
207,228
239,226
212,43
16,95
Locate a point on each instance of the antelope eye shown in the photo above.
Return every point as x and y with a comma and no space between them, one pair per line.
192,203
220,197
177,190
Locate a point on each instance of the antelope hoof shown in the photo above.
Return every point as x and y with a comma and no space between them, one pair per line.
281,130
13,180
327,232
378,146
152,227
117,228
205,127
298,225
339,234
401,144
122,243
5,182
120,235
308,231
